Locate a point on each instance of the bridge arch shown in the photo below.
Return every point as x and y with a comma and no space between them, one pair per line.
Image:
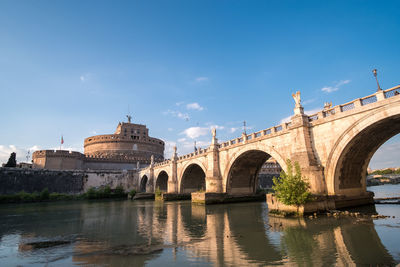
348,161
162,181
193,178
240,175
143,183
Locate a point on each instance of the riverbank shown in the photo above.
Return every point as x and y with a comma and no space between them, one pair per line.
46,196
379,179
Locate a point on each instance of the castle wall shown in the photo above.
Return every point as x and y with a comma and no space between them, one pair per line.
114,145
128,179
14,180
57,160
93,165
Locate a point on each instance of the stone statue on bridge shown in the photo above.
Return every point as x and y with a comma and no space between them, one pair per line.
297,99
214,132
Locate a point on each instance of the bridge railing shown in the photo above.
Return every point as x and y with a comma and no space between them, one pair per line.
284,126
354,104
392,91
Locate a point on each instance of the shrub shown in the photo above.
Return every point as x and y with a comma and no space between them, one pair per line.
44,195
290,188
132,193
25,197
91,193
119,191
158,192
106,192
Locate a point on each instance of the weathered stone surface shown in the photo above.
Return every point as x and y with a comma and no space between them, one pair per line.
333,148
14,180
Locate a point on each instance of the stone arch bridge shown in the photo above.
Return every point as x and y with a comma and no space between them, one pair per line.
333,148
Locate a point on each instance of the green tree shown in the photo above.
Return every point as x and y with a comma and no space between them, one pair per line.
290,188
12,161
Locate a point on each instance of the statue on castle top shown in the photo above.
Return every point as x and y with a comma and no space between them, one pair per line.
129,118
152,159
174,150
138,165
297,99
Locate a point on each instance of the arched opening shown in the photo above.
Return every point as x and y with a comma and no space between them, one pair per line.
162,181
268,171
193,179
351,167
143,183
243,176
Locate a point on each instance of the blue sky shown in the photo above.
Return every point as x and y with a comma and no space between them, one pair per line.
74,67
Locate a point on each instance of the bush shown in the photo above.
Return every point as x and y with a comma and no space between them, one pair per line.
291,188
25,197
158,192
91,193
119,191
106,192
44,195
132,193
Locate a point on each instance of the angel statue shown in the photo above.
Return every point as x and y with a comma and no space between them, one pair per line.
297,99
214,132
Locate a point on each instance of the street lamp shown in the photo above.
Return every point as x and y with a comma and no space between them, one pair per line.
375,72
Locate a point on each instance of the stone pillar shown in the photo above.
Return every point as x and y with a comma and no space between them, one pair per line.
213,175
173,180
380,95
303,153
150,183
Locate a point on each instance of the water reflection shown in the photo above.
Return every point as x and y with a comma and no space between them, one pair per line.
152,233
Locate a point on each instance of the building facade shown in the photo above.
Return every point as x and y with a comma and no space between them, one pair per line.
130,147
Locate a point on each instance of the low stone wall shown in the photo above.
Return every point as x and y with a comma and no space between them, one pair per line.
128,179
14,180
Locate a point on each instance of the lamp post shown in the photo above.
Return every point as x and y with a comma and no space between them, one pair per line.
375,72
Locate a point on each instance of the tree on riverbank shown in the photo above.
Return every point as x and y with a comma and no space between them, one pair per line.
290,188
12,161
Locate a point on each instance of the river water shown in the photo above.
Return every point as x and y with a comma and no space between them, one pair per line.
138,233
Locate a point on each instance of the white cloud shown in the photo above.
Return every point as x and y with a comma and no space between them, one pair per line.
181,140
5,152
178,114
85,77
169,149
330,89
387,156
194,106
195,132
201,79
170,129
233,129
217,127
179,103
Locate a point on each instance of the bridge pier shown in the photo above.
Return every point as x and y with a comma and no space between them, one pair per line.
303,153
213,174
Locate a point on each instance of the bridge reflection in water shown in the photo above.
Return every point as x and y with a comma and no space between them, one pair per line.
153,233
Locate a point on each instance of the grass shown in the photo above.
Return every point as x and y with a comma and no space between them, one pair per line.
101,193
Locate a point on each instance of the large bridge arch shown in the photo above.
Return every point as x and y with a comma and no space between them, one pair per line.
162,181
240,174
348,161
193,177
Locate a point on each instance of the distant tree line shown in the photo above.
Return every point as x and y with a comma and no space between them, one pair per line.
387,171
